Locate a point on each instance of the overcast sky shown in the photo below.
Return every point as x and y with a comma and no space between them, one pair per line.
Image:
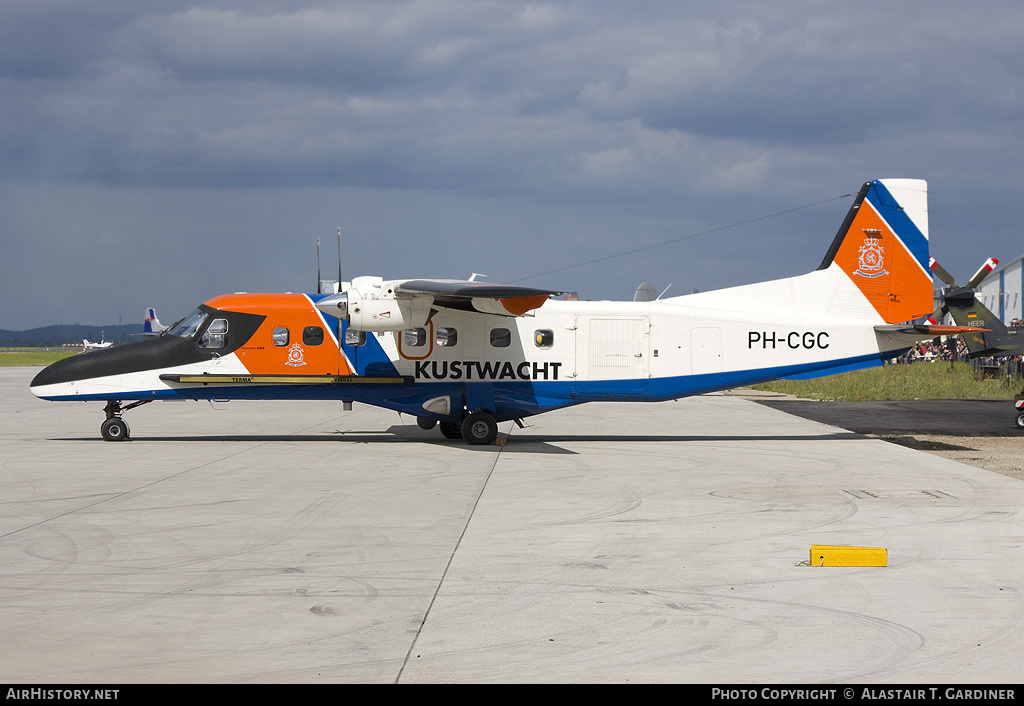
160,153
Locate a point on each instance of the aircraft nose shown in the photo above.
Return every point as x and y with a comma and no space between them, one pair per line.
64,370
55,380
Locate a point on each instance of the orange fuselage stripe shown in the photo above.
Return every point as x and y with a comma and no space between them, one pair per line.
294,312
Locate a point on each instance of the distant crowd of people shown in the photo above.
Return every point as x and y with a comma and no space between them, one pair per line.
953,348
950,349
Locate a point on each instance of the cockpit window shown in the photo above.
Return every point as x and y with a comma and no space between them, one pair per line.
187,327
216,335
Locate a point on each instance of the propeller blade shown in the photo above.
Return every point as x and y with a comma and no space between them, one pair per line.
982,273
937,316
940,271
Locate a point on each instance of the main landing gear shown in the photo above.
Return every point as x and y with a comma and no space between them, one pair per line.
479,428
476,428
114,428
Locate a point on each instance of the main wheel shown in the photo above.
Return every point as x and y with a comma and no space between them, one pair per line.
1020,420
451,430
426,423
479,429
114,429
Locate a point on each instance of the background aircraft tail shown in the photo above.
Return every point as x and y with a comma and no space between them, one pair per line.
882,247
152,326
998,340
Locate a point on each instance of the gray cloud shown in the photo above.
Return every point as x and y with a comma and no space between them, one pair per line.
450,131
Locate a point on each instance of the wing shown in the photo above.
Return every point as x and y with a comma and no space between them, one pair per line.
371,304
504,299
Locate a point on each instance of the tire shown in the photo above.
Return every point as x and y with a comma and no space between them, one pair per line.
426,423
1020,420
451,430
114,429
479,429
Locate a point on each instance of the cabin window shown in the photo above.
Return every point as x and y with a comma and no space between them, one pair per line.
313,336
501,337
355,338
447,337
544,338
414,337
280,336
216,335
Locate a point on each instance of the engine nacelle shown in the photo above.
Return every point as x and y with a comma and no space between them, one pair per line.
376,310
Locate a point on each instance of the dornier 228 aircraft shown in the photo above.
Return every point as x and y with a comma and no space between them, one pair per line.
468,355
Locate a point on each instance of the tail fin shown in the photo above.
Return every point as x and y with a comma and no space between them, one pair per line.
993,338
883,248
152,327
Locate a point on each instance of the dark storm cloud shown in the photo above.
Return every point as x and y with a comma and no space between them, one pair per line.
497,95
533,135
841,75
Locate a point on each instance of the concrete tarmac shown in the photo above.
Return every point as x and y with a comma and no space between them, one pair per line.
966,418
295,542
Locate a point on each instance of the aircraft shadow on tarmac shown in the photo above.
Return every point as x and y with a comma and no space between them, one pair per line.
516,443
955,418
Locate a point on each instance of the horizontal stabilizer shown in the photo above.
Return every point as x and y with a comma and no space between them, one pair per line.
926,329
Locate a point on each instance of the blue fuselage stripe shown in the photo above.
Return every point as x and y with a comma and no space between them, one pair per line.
512,398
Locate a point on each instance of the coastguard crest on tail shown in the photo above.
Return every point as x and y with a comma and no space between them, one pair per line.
871,256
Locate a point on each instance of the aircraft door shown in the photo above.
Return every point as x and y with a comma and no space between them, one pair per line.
705,350
617,354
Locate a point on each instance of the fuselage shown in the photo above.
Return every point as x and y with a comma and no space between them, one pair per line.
469,354
280,346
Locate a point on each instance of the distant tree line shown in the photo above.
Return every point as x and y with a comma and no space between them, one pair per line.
58,335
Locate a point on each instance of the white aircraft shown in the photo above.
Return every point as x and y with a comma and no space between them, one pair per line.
469,355
89,346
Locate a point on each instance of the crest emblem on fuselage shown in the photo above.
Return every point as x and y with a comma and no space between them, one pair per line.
295,356
871,259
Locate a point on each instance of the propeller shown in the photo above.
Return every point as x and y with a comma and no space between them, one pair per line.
982,273
952,290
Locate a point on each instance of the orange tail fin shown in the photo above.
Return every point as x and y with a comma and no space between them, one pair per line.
883,248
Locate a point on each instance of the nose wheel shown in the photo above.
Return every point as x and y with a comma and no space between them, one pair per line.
114,428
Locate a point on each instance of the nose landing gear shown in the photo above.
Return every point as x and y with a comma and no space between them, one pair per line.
114,428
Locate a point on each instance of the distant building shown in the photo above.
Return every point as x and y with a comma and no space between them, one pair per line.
1003,290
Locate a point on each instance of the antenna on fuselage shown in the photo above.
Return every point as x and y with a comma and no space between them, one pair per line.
326,286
